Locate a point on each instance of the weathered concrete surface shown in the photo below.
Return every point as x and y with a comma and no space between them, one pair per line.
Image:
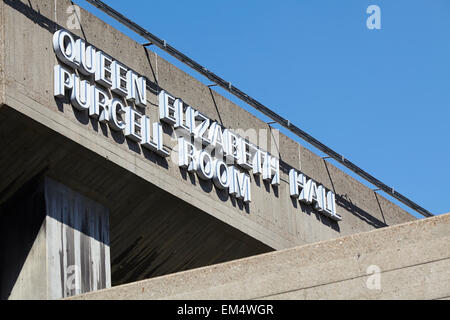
152,232
413,260
271,218
77,239
23,253
54,243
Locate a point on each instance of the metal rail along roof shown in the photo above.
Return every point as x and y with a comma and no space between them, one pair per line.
162,44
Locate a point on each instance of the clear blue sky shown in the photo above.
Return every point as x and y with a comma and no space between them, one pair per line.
379,97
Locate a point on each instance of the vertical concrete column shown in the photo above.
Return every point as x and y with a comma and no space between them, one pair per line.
67,249
77,232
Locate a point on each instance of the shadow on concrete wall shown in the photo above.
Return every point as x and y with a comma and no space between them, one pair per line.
341,200
21,218
34,15
346,203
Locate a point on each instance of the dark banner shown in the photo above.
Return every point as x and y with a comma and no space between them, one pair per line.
223,309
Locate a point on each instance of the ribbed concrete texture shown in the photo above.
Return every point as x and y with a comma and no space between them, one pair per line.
407,261
54,243
77,231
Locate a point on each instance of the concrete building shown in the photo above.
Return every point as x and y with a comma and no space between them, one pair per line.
85,205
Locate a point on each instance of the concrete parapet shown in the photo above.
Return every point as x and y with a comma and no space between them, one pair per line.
407,261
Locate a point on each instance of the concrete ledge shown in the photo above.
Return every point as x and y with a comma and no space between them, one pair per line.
413,259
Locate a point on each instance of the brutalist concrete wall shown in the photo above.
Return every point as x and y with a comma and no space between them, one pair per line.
54,243
152,232
23,254
77,239
272,217
407,261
